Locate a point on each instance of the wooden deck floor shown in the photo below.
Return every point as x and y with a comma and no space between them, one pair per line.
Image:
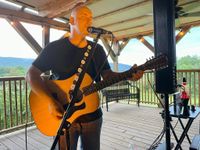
124,125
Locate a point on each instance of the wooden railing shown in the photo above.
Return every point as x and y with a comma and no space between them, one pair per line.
147,87
14,105
14,92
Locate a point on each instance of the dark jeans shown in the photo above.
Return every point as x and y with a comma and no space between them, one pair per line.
89,134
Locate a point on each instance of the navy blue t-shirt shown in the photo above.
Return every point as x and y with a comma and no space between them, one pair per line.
63,59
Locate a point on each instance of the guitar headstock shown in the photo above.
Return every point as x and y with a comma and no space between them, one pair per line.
157,63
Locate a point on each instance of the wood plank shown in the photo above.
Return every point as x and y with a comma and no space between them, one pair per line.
2,146
35,143
123,125
22,16
10,145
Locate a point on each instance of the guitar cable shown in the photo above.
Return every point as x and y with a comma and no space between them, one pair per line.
155,144
98,71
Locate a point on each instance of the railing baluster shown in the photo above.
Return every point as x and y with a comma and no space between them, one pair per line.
142,87
198,87
4,102
16,104
190,81
14,100
26,99
20,103
194,88
10,103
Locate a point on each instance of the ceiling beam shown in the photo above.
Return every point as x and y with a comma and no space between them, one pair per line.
123,9
126,29
189,5
54,8
182,33
22,4
146,43
68,11
127,21
123,44
108,48
150,32
29,18
25,35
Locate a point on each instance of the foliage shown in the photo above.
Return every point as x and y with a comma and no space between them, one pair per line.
188,62
17,101
12,71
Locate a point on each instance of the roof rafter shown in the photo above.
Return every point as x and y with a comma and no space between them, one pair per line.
182,33
26,17
149,32
123,9
146,43
54,8
127,21
25,35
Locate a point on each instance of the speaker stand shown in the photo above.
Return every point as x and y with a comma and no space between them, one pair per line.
167,122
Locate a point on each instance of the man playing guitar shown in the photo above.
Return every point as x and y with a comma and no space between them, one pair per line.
63,57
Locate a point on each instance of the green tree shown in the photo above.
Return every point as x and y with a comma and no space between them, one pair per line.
12,71
188,62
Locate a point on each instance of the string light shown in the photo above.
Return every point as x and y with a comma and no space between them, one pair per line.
12,23
142,40
181,32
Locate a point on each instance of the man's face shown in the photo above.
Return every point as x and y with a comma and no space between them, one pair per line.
82,20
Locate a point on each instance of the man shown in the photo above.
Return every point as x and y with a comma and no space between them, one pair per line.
63,57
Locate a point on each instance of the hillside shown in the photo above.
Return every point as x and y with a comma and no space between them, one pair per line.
25,63
15,62
121,67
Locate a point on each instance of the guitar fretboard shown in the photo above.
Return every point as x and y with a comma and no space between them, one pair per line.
157,63
94,87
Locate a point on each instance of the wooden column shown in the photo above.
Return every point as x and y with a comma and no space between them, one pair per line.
45,36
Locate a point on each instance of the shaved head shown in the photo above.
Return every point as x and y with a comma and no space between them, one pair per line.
80,20
79,8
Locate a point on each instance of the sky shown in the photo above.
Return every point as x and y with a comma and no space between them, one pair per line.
12,45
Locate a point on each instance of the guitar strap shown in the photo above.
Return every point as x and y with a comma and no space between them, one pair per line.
87,57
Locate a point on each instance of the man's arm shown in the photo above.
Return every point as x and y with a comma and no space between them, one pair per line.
38,86
107,74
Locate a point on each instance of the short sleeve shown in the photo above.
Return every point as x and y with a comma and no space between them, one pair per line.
44,61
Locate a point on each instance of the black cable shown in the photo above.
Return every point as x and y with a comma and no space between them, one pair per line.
100,69
160,136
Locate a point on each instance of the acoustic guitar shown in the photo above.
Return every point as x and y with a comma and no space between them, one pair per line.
88,100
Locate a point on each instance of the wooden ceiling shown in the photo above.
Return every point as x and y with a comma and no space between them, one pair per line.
125,18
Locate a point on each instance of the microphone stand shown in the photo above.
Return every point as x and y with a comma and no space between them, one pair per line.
73,96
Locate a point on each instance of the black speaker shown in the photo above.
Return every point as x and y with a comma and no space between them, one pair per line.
164,42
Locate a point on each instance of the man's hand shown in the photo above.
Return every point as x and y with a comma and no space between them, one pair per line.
56,109
136,76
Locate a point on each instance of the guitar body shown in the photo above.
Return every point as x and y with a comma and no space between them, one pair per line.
49,124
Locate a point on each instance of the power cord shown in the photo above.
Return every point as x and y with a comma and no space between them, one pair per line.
157,141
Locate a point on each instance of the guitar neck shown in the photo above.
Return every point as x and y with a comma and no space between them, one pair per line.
94,87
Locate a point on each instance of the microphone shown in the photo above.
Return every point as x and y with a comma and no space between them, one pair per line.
98,30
